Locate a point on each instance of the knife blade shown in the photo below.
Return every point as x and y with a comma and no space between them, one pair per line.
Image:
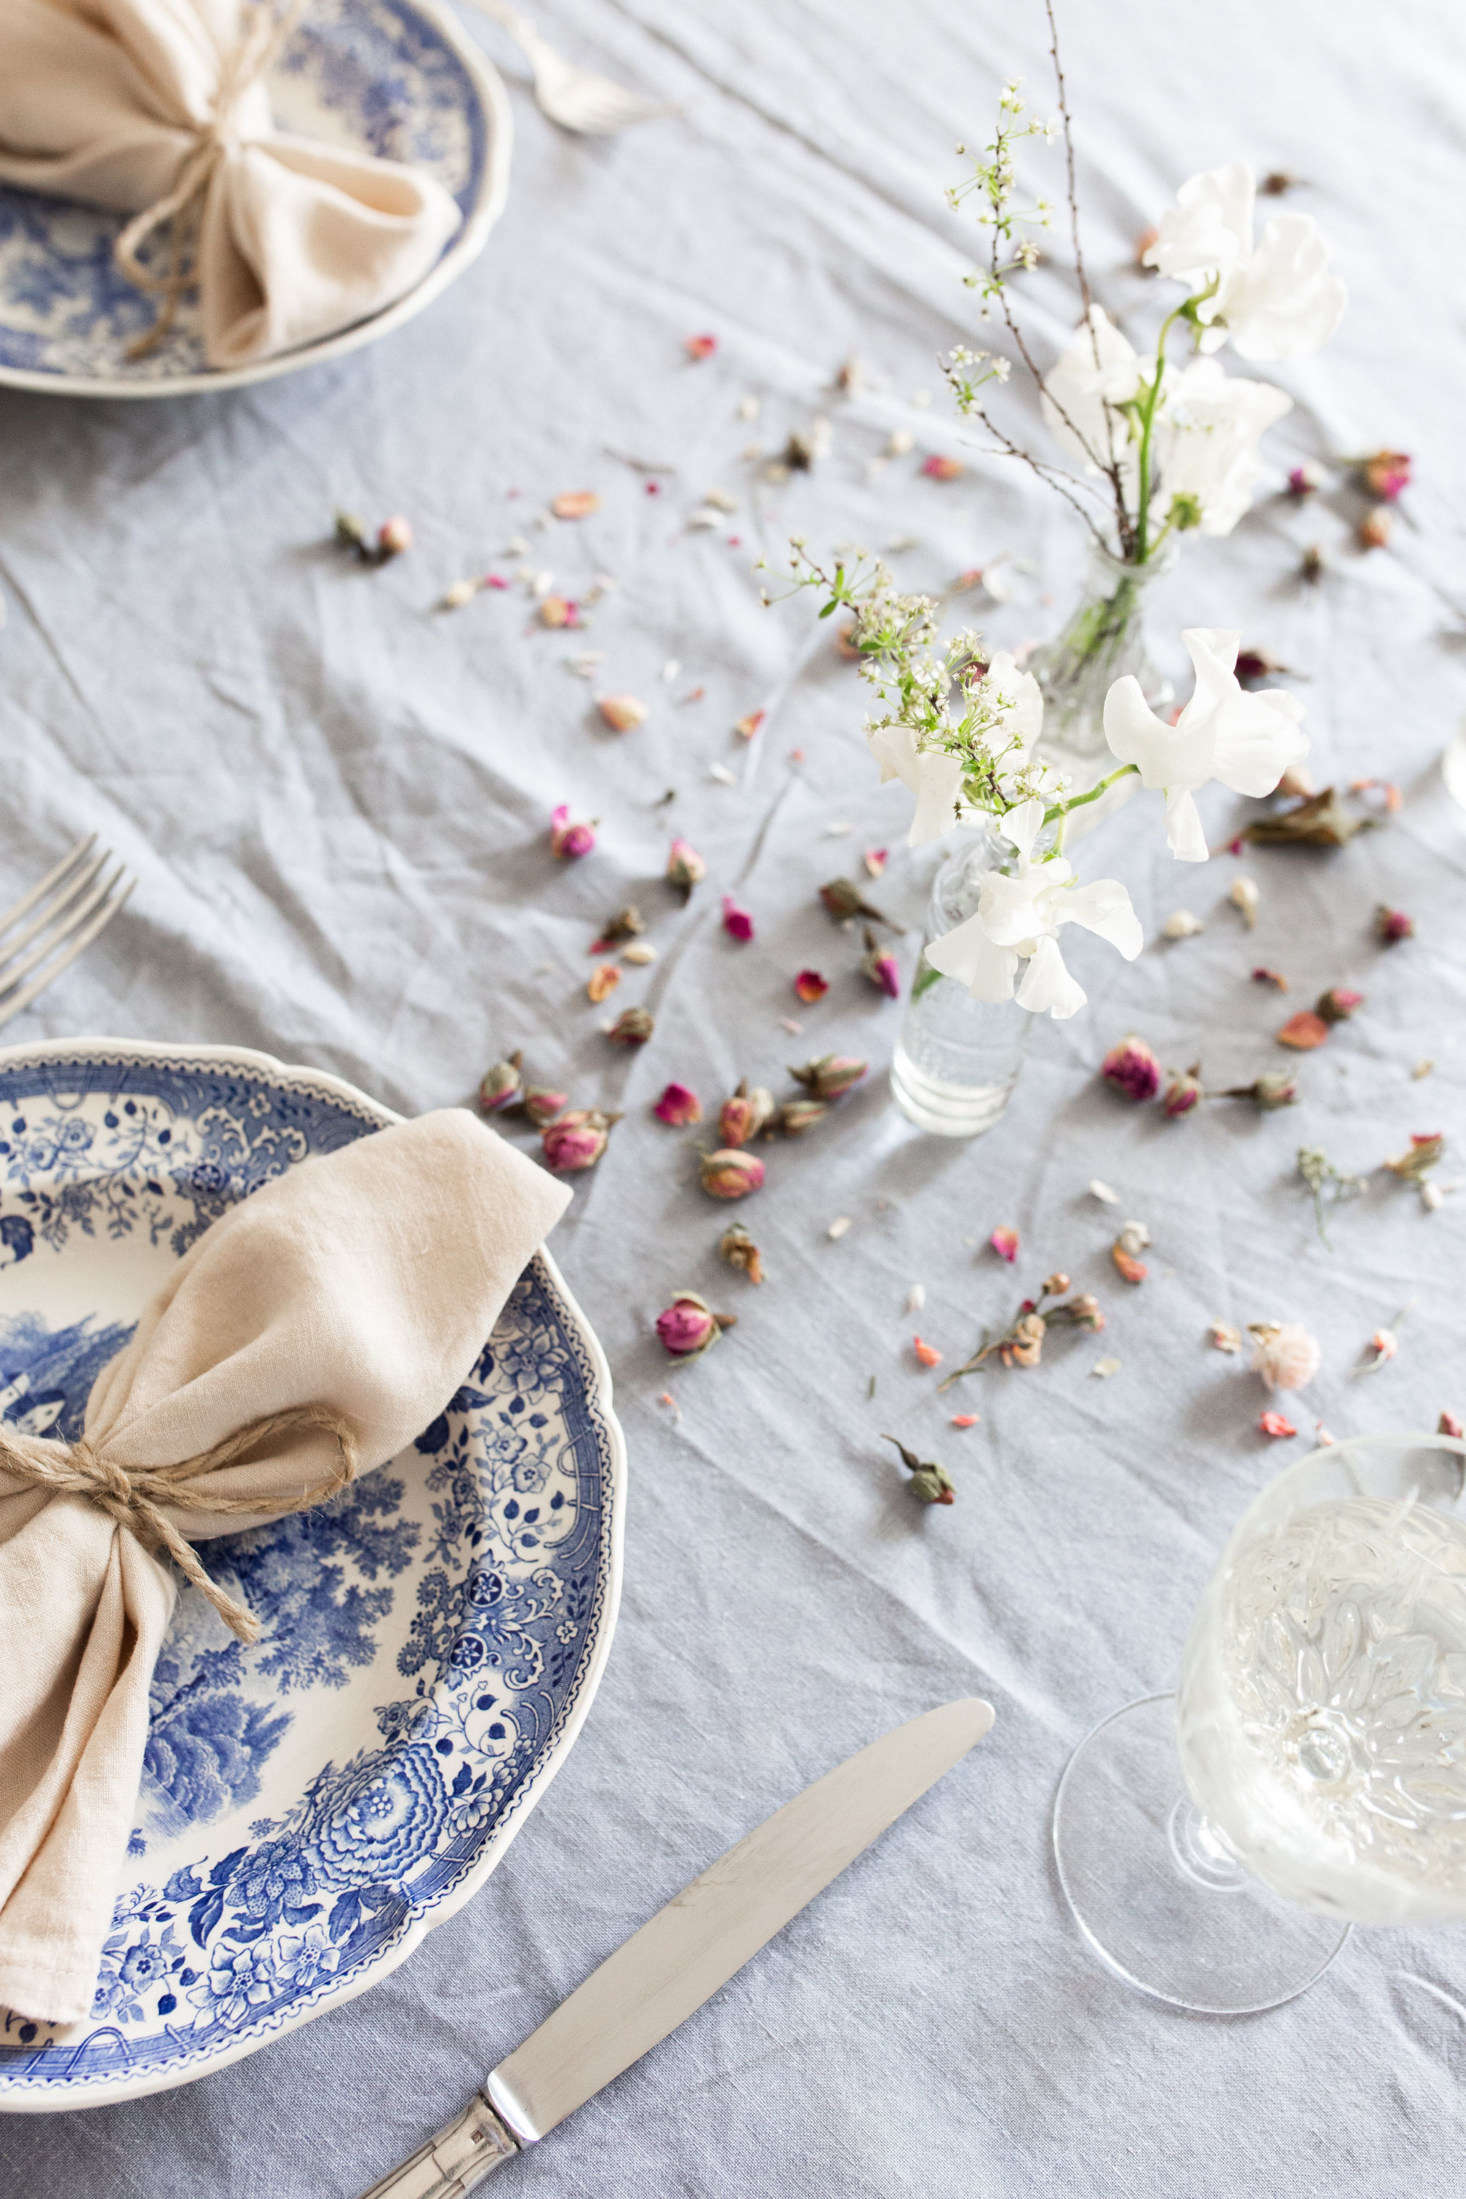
679,1959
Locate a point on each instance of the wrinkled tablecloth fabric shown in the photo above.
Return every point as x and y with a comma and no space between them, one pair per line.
337,801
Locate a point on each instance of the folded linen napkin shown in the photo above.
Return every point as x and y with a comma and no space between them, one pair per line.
157,108
328,1319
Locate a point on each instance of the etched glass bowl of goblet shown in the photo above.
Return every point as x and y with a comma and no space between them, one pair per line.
1217,1845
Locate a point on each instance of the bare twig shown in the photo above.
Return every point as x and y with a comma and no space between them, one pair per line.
1064,483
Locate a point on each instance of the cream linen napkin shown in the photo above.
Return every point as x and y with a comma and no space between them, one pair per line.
364,1282
131,104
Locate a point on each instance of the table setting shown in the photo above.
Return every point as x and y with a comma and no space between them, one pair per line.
731,1431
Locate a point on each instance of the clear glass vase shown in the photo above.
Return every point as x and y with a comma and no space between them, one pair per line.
1103,639
957,1059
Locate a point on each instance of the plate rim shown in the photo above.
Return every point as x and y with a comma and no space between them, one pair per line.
498,118
107,2093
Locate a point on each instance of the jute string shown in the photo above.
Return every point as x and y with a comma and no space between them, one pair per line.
180,209
134,1497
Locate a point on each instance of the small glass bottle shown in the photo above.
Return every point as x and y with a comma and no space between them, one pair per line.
957,1059
1103,639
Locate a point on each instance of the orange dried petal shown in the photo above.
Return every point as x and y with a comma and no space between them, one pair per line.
1126,1264
602,981
745,728
1303,1031
926,1353
575,504
622,713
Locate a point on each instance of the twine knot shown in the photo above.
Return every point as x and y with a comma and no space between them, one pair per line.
135,1497
180,208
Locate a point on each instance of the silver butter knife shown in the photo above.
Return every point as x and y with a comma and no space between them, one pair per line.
679,1959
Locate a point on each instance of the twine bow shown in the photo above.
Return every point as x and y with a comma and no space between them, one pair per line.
180,208
134,1497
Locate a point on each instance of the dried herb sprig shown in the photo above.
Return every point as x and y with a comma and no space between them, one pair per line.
1021,1343
1327,1183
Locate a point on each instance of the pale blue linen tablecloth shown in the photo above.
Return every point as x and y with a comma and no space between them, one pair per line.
337,802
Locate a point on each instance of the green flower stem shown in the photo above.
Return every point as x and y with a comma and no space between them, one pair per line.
1147,427
1077,801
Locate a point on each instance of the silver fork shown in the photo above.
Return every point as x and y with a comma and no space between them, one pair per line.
67,909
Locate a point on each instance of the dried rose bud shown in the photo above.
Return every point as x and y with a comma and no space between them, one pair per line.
1319,821
1056,1284
1084,1311
1284,1354
393,537
558,611
798,1115
633,1027
501,1086
810,986
1374,529
622,713
1004,1241
1025,1341
577,1140
1392,925
689,1326
1420,1156
1132,1068
843,899
1303,1031
730,1173
1274,1088
829,1076
1182,1093
569,841
1262,975
1256,664
678,1105
1386,473
737,922
625,924
1337,1004
1311,566
929,1483
1223,1336
879,964
351,532
941,468
685,868
1448,1424
750,1109
1305,479
542,1105
740,1251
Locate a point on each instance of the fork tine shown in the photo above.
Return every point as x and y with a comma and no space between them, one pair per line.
52,912
11,972
77,941
28,901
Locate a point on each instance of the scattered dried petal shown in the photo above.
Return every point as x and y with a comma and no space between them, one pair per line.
916,1298
1386,473
1004,1241
875,860
699,347
1303,1031
1104,1368
810,986
740,1251
927,1353
939,467
1304,480
1262,975
1126,1265
622,713
1244,896
737,922
1182,925
575,504
838,1226
1375,528
1448,1424
746,727
1420,1156
1103,1192
1275,1425
1284,1354
1222,1336
964,1420
603,980
558,611
678,1105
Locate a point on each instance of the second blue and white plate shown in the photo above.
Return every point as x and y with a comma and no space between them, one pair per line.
432,1638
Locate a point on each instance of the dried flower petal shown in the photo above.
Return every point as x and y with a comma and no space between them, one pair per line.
838,1227
1283,1353
1420,1156
622,713
558,611
737,922
1222,1336
1182,925
1126,1265
740,1251
730,1173
746,727
1103,1192
1004,1241
603,980
458,593
939,467
1303,1031
633,1027
699,347
928,1354
1275,1425
1244,896
1262,975
964,1420
915,1298
1379,1351
639,953
1131,1068
1104,1368
1448,1424
575,504
1304,480
810,986
1385,473
678,1105
1375,528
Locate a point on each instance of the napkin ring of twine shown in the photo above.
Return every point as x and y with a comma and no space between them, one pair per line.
134,1497
180,208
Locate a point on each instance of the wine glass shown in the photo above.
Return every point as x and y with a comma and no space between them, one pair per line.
1216,1845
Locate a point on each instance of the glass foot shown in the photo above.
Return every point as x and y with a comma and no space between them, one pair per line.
1158,1896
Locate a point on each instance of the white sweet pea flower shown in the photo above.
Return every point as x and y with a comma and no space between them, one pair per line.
1276,299
1017,922
1245,741
935,776
1208,444
1087,392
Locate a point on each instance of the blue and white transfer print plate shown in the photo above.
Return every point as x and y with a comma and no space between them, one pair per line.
397,78
431,1638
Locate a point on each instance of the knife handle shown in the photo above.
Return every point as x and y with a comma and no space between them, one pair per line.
464,2152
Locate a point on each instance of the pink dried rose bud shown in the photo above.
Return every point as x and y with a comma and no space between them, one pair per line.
737,922
570,840
542,1105
1392,925
1338,1003
798,1115
576,1141
685,868
830,1075
1283,1353
741,1117
810,986
1262,975
501,1086
1380,1349
1004,1241
622,924
1182,1093
879,964
1275,1425
740,1251
842,899
633,1027
689,1325
678,1105
1056,1284
622,713
394,536
730,1173
1256,664
1132,1068
1386,473
1448,1424
1375,528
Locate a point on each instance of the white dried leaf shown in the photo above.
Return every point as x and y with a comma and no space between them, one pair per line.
838,1226
640,951
461,592
722,774
671,669
705,518
1134,1238
1431,1195
720,499
1104,1368
1244,897
838,829
915,1298
540,584
1182,925
1102,1192
901,441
